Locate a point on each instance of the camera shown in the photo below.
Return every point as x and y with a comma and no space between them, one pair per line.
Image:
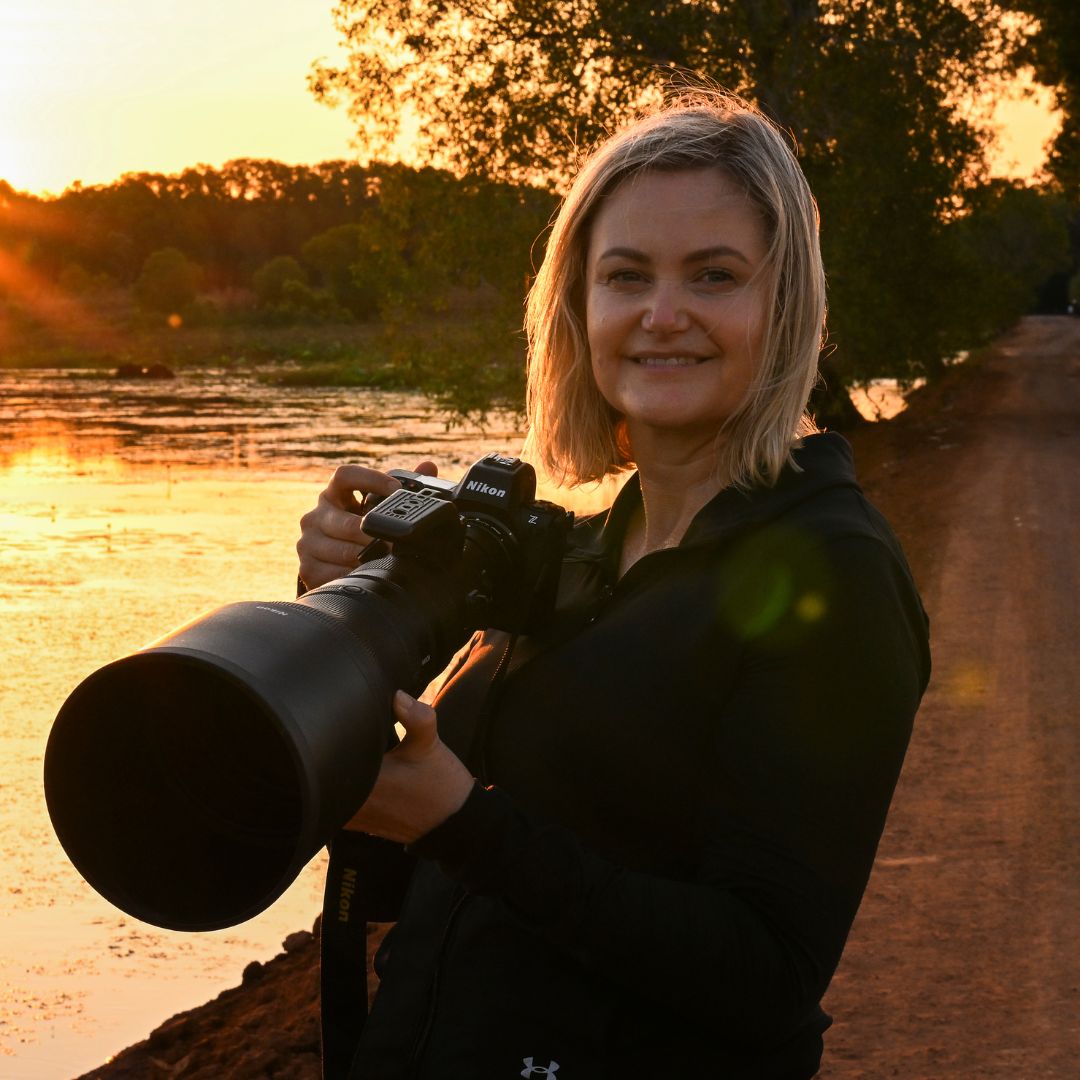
192,781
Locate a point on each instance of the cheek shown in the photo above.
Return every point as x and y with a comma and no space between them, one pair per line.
743,326
597,318
603,338
608,315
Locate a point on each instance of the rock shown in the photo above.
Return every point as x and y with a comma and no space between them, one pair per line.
298,940
252,973
137,371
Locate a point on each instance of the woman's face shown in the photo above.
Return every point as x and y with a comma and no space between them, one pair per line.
675,302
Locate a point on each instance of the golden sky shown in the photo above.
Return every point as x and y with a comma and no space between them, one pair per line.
90,89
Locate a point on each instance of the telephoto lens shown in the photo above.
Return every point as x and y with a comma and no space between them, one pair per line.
190,782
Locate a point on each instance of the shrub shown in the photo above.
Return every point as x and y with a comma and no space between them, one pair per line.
270,280
168,282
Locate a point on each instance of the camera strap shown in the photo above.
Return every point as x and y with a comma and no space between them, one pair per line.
364,882
366,879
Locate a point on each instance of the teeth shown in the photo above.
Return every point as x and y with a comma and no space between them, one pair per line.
666,361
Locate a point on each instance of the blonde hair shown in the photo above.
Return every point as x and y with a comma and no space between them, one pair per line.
573,432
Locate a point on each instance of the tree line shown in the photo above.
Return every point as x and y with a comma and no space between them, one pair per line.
335,239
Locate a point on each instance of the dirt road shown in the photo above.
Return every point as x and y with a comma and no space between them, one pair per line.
965,959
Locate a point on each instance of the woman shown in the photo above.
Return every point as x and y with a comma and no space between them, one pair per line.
641,835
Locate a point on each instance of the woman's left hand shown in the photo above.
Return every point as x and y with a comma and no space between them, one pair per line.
421,781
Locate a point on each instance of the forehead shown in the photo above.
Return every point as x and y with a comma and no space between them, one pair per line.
664,209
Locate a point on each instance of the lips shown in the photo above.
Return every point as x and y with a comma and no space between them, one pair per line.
668,361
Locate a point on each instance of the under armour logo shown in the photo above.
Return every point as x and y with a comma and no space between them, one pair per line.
538,1070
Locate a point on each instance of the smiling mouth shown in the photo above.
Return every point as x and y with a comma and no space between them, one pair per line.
668,361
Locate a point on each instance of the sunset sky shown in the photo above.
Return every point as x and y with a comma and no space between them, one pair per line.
90,89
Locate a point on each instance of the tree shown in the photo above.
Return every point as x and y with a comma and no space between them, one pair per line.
867,87
270,279
423,237
1010,244
515,88
168,282
332,255
75,280
1024,241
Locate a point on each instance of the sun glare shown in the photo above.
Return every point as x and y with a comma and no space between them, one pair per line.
51,306
10,163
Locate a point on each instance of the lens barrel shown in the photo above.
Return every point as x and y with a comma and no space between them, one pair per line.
191,782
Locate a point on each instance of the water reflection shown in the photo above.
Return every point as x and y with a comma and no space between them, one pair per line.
882,399
236,420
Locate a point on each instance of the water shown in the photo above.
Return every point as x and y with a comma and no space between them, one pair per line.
882,399
127,508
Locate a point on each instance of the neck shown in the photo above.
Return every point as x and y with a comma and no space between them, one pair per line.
674,487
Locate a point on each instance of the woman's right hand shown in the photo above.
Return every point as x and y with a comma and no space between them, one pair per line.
331,539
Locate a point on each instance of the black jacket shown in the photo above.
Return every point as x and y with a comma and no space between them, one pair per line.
690,773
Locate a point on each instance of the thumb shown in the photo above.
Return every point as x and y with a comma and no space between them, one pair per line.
418,720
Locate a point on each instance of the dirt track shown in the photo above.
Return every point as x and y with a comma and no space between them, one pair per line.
965,959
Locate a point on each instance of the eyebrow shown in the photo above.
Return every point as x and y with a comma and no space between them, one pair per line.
718,251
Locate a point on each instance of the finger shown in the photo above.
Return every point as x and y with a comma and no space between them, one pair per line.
418,720
324,557
351,478
330,520
427,468
329,537
318,547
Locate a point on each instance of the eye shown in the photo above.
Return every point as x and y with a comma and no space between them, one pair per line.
715,275
625,278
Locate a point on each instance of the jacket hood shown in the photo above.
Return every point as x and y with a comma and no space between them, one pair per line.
824,461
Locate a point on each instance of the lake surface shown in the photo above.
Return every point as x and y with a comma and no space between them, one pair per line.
127,508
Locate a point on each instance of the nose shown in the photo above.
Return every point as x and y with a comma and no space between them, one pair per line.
665,312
